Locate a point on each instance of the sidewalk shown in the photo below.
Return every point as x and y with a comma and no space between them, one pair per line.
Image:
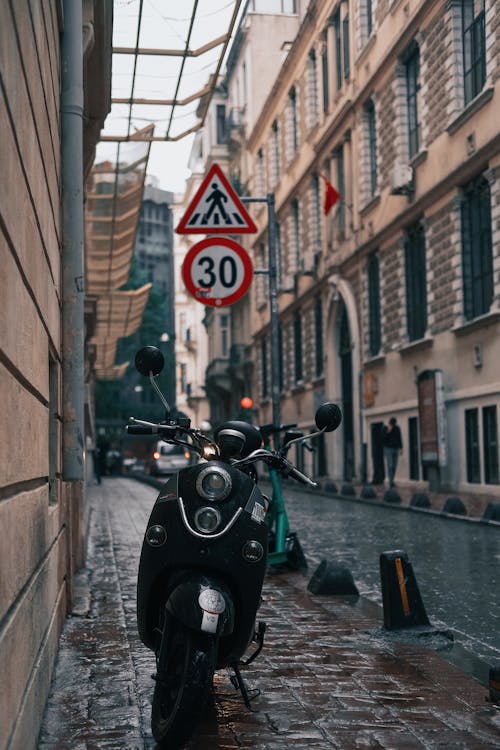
329,676
474,503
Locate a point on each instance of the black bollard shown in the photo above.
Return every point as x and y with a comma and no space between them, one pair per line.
332,579
403,605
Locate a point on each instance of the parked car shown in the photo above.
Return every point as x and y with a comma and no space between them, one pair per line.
167,459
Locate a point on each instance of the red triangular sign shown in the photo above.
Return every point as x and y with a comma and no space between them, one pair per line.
216,208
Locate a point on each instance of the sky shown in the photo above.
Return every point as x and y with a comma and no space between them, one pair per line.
164,25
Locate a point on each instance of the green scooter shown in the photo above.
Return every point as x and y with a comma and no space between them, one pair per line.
285,549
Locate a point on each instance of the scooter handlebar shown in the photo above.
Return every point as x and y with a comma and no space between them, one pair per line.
291,471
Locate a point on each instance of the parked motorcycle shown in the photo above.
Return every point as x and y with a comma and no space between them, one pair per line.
203,560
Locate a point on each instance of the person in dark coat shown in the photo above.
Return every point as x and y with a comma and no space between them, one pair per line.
393,447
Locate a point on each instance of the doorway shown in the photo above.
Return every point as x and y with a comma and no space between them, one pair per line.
345,353
377,453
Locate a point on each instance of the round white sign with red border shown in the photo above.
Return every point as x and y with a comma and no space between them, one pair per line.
217,271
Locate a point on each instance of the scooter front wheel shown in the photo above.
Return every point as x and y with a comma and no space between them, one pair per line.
183,680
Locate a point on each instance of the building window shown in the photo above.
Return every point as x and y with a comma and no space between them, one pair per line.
260,173
296,230
472,446
413,450
292,98
318,337
221,123
284,7
366,10
345,43
412,70
317,211
374,327
312,91
297,339
490,445
339,156
477,257
324,73
224,335
276,156
183,377
474,48
338,48
416,283
263,361
372,147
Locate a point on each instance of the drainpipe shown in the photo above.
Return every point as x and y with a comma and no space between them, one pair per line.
72,242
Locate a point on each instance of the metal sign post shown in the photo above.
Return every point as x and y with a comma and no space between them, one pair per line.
272,273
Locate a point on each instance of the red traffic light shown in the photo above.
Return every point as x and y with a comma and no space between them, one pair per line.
246,402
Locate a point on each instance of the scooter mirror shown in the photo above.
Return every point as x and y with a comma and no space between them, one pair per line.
328,417
149,359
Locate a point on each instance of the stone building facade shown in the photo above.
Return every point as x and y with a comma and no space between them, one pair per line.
397,104
42,510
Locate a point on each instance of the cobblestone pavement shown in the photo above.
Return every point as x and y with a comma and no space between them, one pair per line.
328,677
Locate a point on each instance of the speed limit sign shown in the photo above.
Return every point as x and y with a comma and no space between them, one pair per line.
217,271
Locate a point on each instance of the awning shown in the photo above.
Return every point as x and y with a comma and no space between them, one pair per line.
114,197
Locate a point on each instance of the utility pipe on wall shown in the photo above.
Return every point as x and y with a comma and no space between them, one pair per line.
73,292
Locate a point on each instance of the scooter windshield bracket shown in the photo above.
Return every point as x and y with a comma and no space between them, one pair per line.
207,536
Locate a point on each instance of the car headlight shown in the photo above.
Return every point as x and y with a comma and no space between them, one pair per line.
207,519
213,483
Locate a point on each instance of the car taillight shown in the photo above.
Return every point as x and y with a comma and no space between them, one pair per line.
156,455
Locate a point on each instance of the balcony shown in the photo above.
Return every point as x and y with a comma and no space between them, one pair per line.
218,376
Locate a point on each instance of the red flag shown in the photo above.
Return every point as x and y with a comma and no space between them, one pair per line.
331,196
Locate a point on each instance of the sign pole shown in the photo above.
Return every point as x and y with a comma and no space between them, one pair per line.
272,273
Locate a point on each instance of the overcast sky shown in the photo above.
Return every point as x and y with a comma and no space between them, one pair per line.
165,26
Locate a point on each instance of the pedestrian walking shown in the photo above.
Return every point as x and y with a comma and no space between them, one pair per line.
393,447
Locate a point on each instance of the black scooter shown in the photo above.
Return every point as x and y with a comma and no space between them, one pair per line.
203,561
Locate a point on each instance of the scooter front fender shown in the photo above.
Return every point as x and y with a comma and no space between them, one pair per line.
203,604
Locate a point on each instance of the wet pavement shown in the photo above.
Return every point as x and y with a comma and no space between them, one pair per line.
329,677
456,560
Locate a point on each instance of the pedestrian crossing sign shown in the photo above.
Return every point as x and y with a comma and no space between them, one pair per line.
216,208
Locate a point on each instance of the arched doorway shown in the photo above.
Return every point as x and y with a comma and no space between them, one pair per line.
346,374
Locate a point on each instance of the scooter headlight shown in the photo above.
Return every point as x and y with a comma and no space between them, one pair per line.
207,519
213,483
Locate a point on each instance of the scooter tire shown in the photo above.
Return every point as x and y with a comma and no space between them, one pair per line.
180,694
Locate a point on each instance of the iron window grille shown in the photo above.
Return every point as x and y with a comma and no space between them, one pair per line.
490,445
374,326
472,446
474,49
416,286
477,256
